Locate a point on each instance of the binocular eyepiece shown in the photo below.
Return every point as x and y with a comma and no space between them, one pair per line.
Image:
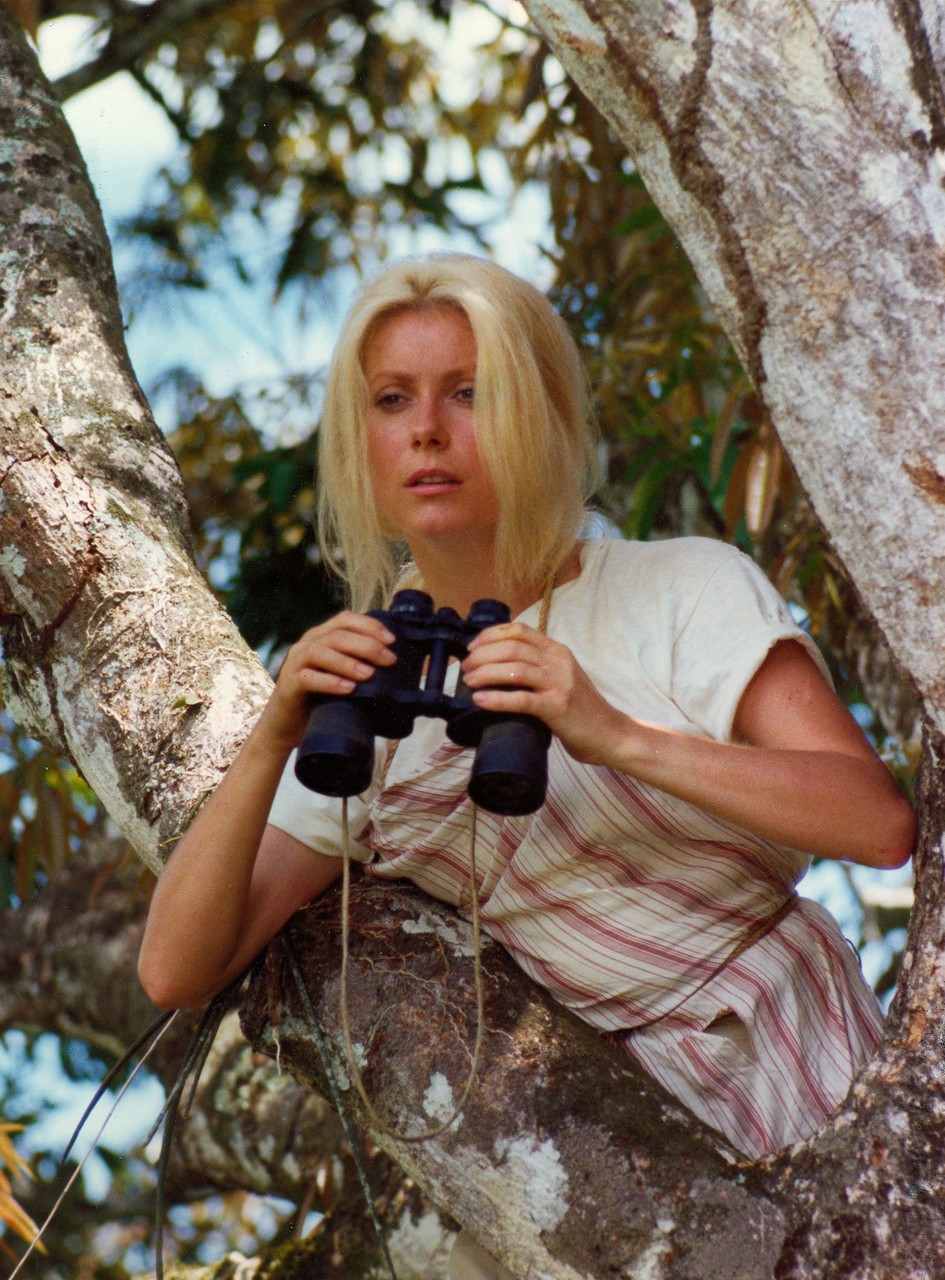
509,774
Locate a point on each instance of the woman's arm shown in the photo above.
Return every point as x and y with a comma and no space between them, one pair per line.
801,772
228,887
233,881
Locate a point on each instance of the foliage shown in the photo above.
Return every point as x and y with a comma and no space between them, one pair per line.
45,812
330,124
686,438
339,129
11,1214
252,507
105,1226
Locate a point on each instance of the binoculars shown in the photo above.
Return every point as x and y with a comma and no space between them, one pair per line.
509,773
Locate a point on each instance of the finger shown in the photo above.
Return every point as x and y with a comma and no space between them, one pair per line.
349,620
505,631
367,648
349,624
310,680
321,649
510,652
513,674
518,701
337,663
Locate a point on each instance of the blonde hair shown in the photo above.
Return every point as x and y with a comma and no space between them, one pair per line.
532,414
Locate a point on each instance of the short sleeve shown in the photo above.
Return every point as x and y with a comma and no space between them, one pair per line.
315,820
737,618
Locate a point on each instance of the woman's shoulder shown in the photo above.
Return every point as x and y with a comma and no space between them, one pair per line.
680,565
640,595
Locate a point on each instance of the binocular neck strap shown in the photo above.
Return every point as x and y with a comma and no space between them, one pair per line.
546,603
355,1073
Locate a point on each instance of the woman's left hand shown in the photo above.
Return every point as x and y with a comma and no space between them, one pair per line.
514,668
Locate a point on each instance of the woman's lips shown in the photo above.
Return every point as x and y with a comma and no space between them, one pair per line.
431,480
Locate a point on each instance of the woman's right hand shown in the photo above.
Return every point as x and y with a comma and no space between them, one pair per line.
331,658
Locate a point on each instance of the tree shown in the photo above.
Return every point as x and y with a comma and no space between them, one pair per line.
85,661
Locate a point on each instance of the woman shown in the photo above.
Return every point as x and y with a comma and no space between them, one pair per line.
699,755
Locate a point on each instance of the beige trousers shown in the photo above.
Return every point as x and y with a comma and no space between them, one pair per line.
470,1261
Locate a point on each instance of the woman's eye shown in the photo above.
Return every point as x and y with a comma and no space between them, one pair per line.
389,400
466,394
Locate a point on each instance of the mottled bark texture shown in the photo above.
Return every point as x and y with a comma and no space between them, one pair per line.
569,1162
114,650
797,149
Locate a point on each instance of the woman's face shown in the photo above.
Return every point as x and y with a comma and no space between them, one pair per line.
426,474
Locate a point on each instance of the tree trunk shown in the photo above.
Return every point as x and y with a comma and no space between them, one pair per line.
796,150
802,172
568,1161
115,652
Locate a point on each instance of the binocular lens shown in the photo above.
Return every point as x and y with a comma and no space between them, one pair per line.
336,755
509,774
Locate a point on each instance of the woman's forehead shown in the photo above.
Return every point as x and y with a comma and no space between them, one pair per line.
437,309
420,335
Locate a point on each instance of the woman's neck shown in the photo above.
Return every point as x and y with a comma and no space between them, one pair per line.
458,582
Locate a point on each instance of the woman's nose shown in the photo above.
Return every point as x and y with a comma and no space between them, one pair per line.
427,426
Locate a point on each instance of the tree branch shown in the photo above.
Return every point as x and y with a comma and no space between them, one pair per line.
135,33
68,964
115,651
568,1161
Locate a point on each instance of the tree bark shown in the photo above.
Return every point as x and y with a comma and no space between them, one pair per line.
568,1162
115,652
797,150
